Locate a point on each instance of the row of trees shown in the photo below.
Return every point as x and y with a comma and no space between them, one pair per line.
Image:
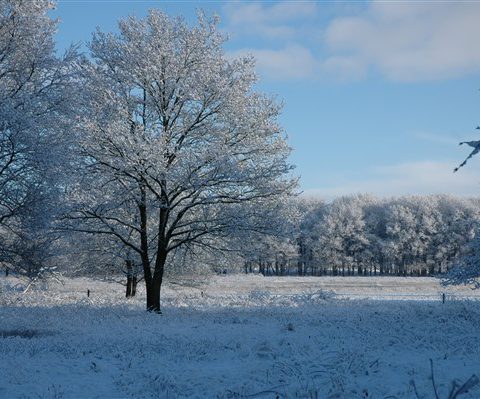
364,235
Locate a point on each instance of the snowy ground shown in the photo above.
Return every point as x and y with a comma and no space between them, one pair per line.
239,337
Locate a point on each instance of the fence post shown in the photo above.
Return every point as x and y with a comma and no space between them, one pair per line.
443,297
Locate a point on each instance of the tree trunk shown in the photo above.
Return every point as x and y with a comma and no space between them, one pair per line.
128,292
153,289
153,294
149,291
299,268
134,285
129,265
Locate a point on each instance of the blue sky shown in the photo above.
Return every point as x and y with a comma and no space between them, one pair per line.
377,94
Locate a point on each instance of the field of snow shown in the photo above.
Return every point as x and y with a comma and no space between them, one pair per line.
240,337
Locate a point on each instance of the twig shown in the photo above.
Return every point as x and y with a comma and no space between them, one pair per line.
433,380
30,285
415,389
470,383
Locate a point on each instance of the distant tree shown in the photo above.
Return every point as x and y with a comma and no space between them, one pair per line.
374,257
342,235
269,255
311,212
466,270
458,222
178,149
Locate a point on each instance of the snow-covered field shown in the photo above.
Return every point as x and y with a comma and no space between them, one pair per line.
239,337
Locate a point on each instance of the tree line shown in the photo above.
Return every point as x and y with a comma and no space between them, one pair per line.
362,235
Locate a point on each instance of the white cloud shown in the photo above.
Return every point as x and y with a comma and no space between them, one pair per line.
290,62
409,41
343,68
422,178
404,41
272,21
282,23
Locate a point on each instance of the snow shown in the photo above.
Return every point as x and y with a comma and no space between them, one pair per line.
238,337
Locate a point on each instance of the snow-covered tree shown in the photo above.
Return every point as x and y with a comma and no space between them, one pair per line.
458,220
466,270
406,234
341,234
268,255
311,211
35,104
178,149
